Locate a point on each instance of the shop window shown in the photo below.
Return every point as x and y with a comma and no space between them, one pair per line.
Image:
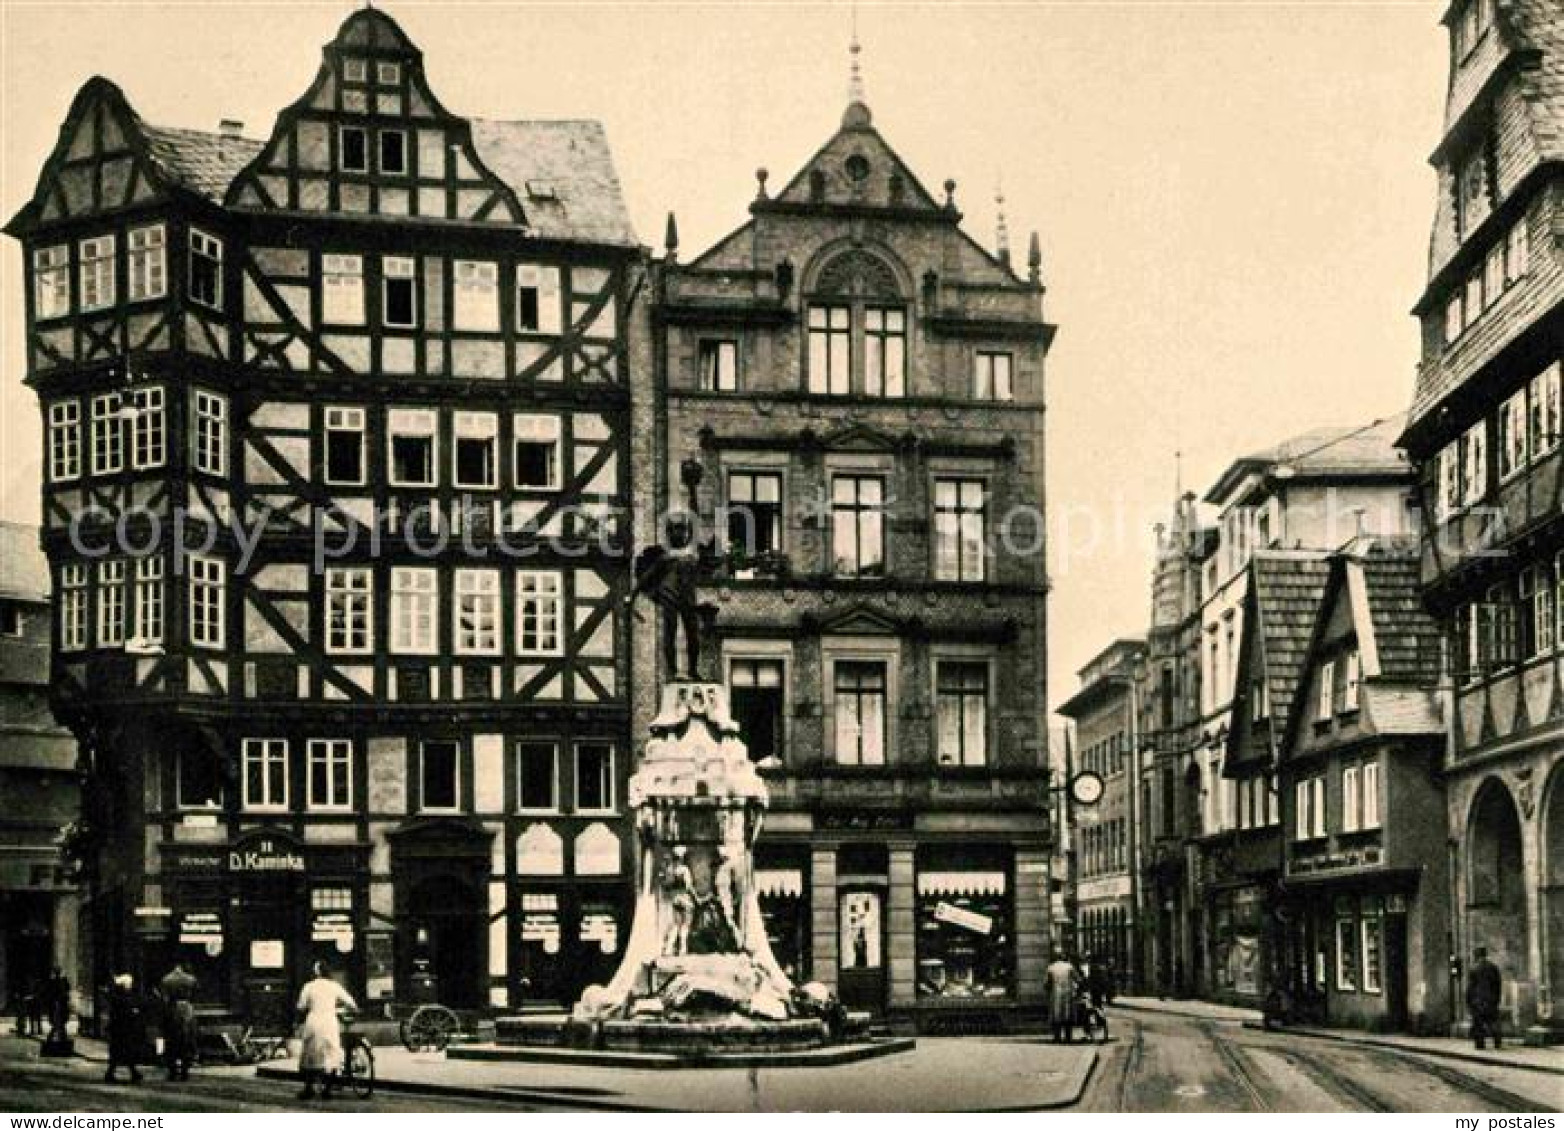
1373,948
757,694
862,930
1346,951
265,773
964,927
594,777
439,775
784,908
537,776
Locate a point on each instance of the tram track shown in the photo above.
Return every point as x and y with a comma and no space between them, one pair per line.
1132,1056
1233,1061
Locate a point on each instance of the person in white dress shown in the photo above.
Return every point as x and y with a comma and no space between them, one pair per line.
321,1058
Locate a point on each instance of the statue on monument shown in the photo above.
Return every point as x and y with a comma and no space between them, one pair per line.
670,574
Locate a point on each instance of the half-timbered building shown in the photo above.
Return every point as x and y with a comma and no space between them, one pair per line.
861,384
336,443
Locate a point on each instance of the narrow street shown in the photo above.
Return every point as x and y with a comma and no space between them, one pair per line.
1160,1063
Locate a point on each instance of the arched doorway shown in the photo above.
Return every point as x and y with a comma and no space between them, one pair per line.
1495,879
1552,873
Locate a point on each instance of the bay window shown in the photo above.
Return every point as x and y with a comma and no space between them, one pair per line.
64,441
148,429
111,603
51,282
206,269
208,612
95,269
209,436
108,435
149,601
148,255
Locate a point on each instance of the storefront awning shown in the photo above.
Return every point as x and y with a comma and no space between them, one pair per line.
961,883
779,882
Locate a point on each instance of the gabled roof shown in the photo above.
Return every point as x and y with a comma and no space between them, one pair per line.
1286,588
563,173
1344,452
204,163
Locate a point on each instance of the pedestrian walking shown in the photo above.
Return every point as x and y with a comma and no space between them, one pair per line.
1484,991
320,1060
1061,978
127,1029
1099,983
58,997
177,989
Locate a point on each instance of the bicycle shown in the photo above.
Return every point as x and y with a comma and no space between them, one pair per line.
358,1062
429,1028
1091,1020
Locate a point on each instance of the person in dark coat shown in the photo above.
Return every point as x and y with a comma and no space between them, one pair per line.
177,989
127,1029
1099,983
1484,990
59,1003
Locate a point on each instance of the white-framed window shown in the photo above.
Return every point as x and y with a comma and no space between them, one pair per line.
1371,928
884,351
830,349
149,601
537,776
206,269
858,525
1474,463
329,762
993,375
208,607
539,612
1512,435
73,608
1543,410
860,692
265,773
353,149
595,777
719,365
95,265
350,605
475,449
961,695
538,305
148,428
1351,676
342,290
1346,953
111,603
209,436
398,293
393,151
344,458
108,434
1351,799
412,439
64,441
1325,705
757,697
1455,316
415,603
148,256
355,69
476,302
1369,783
51,282
439,775
960,529
1517,252
388,74
477,612
537,448
1543,610
1317,804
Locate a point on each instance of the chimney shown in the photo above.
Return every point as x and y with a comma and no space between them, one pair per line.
230,128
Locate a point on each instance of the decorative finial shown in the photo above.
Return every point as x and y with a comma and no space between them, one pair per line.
950,194
760,182
671,237
1034,259
1001,229
857,113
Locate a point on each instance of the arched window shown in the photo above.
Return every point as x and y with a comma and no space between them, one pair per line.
857,327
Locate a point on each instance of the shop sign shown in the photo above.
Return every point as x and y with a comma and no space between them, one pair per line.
197,858
961,917
333,927
264,855
266,954
866,822
200,928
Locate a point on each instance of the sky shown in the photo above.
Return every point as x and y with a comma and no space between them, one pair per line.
1233,199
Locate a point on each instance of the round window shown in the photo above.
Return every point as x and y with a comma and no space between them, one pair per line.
857,166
